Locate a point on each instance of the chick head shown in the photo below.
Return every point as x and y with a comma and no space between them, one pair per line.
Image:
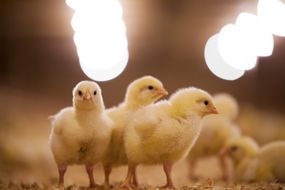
191,100
239,148
87,95
144,91
227,105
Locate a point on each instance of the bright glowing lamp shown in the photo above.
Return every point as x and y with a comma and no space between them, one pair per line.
232,50
74,4
272,13
216,63
253,35
100,37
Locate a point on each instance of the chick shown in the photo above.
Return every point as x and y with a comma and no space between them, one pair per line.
219,129
227,105
254,164
81,134
164,133
140,93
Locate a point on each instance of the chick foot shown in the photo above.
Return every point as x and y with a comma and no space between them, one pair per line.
89,170
127,184
167,167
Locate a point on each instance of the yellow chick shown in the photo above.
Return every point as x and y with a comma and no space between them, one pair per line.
81,134
227,105
254,164
140,93
219,128
164,133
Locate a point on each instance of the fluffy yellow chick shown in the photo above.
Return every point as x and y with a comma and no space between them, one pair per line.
140,93
227,105
254,164
219,128
81,134
163,133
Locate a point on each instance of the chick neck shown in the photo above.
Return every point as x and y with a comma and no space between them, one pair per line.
249,155
180,112
134,103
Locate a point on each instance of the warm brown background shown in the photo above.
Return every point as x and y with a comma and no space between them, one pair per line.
166,39
39,67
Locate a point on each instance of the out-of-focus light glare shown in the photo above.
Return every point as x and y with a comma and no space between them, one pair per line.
100,38
232,50
272,13
216,64
107,73
253,35
74,4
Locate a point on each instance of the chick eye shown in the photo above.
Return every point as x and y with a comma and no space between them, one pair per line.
234,148
79,92
150,87
206,102
95,92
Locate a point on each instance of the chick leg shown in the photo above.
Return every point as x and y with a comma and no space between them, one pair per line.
89,170
191,169
167,167
131,172
61,171
107,171
223,165
135,179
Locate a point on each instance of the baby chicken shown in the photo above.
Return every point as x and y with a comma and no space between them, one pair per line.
227,105
140,93
254,164
219,128
81,134
164,133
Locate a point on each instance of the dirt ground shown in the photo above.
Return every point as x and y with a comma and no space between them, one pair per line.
26,161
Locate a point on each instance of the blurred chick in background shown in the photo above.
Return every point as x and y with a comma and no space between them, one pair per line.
81,134
216,131
163,133
262,125
254,164
141,92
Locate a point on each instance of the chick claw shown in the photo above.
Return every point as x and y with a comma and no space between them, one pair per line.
167,186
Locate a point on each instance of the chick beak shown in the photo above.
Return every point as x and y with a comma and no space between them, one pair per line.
162,92
87,96
212,110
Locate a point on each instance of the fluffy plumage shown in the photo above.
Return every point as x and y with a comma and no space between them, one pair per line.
219,129
254,164
227,105
81,134
140,93
163,133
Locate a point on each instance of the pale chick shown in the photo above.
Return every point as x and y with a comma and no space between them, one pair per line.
141,92
216,131
163,133
254,164
227,105
80,134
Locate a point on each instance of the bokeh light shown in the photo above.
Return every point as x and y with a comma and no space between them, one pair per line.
253,35
100,37
216,64
232,49
272,13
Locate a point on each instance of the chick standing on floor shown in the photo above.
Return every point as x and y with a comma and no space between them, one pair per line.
163,133
254,164
140,93
216,131
81,134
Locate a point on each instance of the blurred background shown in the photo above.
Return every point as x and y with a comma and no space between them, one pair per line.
39,67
